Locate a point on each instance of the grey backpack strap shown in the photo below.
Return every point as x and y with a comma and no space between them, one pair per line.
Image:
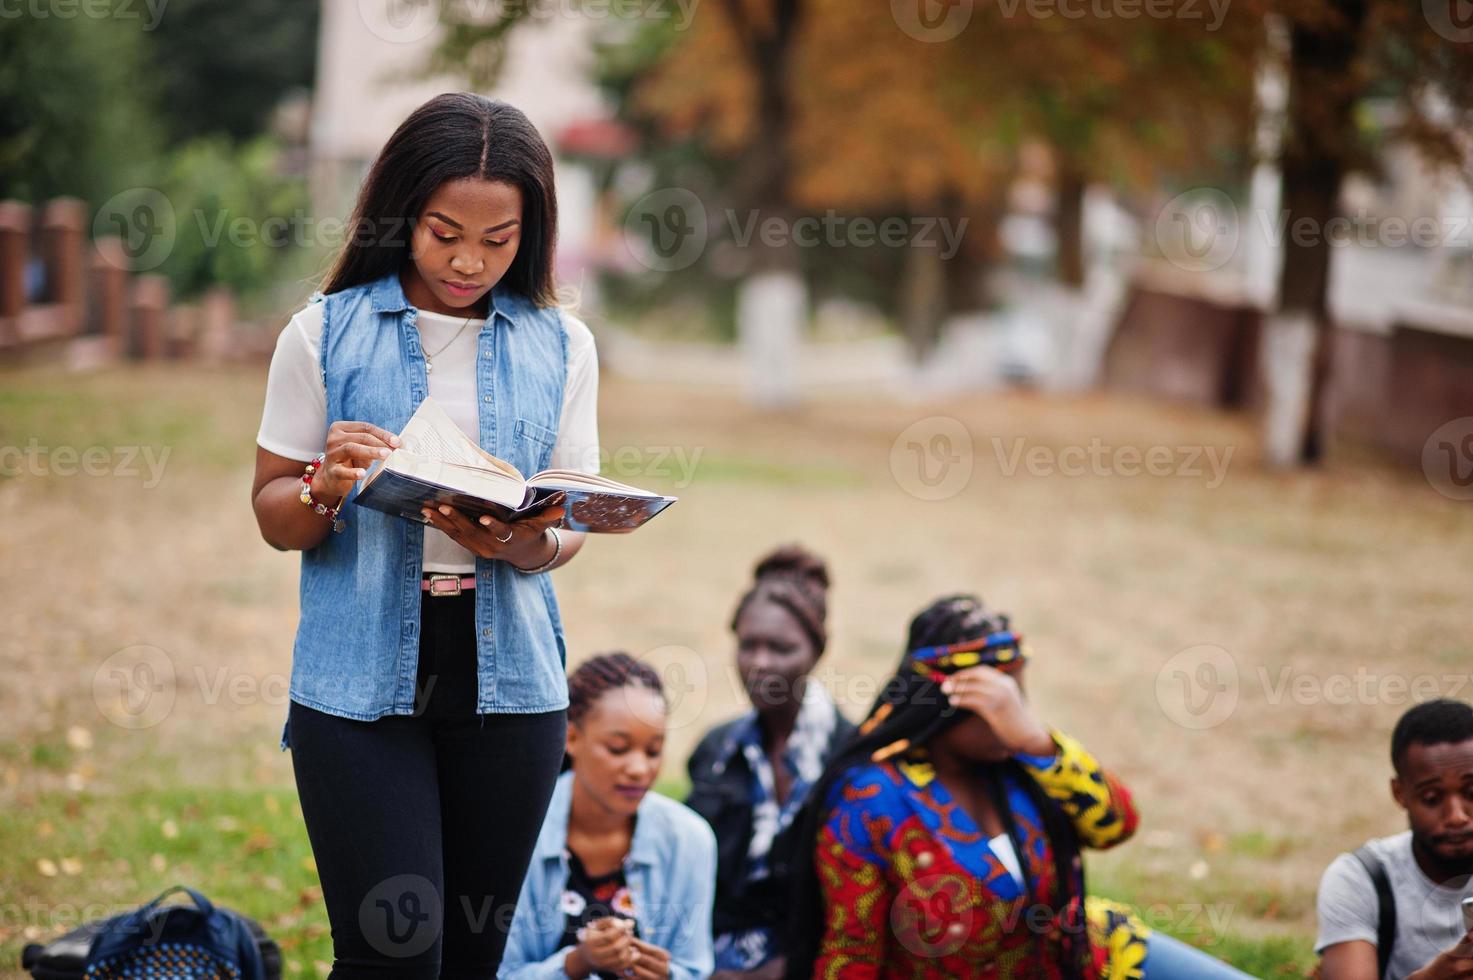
1386,905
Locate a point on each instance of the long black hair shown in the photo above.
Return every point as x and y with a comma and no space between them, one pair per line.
912,708
453,136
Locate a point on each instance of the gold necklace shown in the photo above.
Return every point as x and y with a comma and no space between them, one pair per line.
430,358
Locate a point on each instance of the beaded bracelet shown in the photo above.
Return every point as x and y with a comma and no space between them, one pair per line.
331,513
557,540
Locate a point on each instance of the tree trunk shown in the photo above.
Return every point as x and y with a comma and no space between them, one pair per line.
772,305
1069,187
1321,139
922,298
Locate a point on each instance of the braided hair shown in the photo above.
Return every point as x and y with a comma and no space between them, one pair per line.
601,674
912,709
798,581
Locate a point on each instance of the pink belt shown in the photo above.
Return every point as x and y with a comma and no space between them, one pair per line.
437,584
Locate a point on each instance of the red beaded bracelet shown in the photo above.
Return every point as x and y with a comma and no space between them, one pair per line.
331,513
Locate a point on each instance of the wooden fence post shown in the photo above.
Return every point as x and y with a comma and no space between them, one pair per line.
147,305
62,225
15,234
107,294
217,325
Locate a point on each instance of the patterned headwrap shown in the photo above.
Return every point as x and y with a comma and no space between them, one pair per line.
1002,649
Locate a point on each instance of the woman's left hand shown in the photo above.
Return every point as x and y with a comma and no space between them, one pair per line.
523,542
997,699
654,962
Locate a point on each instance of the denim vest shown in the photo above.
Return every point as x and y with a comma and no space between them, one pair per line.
357,646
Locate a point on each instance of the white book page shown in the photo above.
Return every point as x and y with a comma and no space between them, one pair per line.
433,448
478,481
585,481
432,434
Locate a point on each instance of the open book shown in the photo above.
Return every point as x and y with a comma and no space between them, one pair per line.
437,463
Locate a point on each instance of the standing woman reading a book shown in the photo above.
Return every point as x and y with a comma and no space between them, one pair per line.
428,695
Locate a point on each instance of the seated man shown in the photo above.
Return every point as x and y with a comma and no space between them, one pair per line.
1419,876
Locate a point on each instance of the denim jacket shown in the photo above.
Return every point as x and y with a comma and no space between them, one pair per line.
670,871
357,643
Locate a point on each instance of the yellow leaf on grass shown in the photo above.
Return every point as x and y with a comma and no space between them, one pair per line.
47,867
259,840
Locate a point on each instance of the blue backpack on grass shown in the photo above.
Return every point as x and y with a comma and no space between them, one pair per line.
177,942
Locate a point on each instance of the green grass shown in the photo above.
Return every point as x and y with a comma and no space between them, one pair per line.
245,849
48,412
248,850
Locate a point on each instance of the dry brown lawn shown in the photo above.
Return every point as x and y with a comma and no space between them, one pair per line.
1334,594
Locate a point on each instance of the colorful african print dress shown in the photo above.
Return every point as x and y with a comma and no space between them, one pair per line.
913,888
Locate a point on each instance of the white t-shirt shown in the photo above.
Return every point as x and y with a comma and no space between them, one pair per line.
294,421
1429,918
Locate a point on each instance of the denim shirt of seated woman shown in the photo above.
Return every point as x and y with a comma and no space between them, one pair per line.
621,881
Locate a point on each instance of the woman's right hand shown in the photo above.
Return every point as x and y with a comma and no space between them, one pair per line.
608,945
351,448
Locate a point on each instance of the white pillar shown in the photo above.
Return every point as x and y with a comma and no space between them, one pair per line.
771,311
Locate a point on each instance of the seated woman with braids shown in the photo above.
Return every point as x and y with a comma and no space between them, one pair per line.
620,883
750,777
947,842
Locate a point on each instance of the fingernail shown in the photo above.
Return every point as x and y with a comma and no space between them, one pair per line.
393,440
485,520
382,453
444,509
426,512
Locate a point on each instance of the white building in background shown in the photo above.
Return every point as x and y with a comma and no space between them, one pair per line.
370,76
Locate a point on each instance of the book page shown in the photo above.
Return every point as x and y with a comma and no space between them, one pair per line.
475,481
585,481
432,434
433,448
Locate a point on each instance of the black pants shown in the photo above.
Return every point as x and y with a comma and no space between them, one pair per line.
423,825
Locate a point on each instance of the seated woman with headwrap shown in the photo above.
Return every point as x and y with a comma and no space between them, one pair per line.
946,838
750,777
